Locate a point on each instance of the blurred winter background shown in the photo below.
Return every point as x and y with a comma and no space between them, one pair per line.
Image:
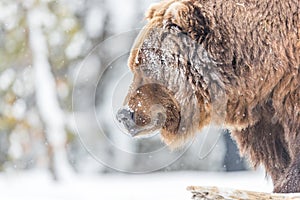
62,75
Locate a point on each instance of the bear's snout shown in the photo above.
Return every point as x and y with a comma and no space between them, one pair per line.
140,124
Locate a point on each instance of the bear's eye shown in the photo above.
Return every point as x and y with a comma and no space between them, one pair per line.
173,26
176,27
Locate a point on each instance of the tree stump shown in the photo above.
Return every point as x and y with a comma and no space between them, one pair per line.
216,193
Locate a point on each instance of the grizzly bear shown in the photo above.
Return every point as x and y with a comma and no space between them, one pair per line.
231,63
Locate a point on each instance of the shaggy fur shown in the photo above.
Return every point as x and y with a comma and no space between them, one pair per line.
224,62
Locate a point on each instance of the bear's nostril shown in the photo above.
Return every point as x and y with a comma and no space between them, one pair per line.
132,115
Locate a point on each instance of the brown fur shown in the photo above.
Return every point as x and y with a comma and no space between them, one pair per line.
232,62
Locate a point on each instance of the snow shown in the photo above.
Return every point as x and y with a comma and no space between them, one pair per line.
76,45
6,78
8,11
19,109
36,185
121,14
55,38
94,22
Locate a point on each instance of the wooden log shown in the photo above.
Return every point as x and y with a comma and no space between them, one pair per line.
216,193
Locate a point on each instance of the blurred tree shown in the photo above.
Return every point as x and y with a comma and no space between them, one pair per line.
39,39
45,91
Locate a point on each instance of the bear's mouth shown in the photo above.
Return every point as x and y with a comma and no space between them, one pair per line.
126,117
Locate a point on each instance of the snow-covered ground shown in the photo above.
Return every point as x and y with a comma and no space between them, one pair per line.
169,185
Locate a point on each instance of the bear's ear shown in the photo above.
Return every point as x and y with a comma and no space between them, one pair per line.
188,17
157,10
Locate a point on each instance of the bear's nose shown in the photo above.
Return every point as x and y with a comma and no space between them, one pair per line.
126,117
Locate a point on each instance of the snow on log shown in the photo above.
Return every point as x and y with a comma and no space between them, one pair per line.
216,193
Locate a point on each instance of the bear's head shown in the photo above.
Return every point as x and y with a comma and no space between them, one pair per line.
168,94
